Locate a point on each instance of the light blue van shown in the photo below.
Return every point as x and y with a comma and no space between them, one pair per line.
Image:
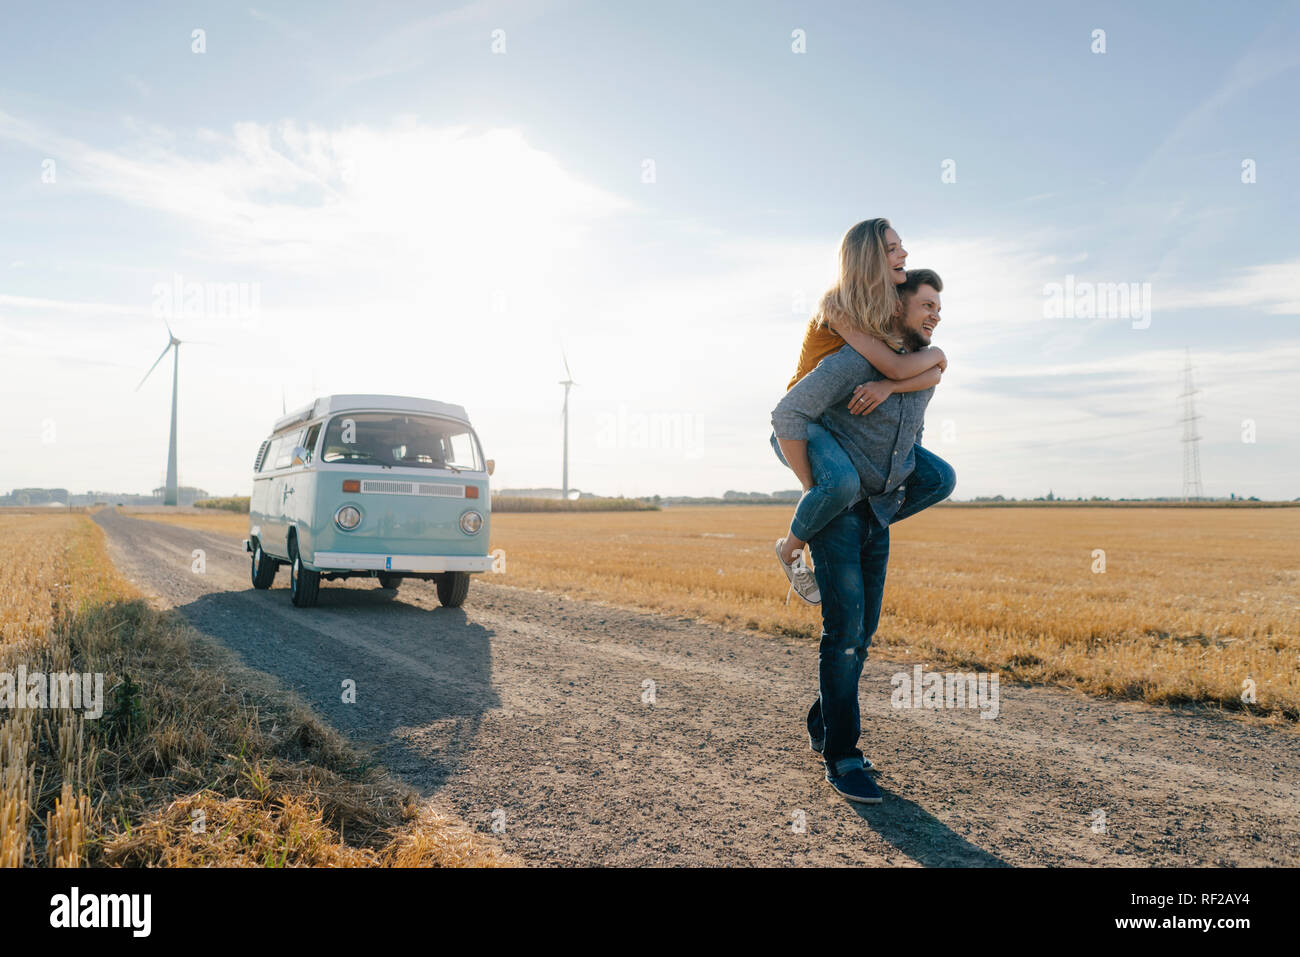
376,486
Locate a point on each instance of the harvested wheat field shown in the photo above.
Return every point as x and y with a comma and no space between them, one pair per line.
195,760
1193,605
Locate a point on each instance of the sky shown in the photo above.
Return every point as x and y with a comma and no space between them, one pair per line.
446,200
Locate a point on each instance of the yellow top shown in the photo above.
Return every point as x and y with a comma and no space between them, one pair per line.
819,341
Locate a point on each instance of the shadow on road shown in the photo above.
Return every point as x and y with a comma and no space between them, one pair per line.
423,677
921,836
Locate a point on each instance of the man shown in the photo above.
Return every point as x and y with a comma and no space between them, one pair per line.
852,551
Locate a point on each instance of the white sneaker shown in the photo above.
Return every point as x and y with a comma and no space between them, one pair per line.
802,581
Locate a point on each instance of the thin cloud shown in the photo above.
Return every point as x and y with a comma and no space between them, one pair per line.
1273,289
71,306
307,198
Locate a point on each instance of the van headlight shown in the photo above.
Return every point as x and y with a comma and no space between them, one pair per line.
348,517
471,522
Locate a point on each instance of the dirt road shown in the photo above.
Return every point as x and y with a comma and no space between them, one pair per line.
527,711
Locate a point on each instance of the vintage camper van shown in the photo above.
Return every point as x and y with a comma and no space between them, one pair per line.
377,486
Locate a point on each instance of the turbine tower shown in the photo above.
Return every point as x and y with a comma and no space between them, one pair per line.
567,382
170,496
1192,489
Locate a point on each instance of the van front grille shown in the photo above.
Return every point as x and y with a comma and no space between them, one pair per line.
387,487
446,491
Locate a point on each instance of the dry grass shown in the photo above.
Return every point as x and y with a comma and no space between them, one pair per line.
197,760
210,520
1192,604
237,504
8,510
516,503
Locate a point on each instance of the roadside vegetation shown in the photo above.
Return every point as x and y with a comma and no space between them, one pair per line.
234,504
507,503
196,760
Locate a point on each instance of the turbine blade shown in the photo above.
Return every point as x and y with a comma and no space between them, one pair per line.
567,373
154,366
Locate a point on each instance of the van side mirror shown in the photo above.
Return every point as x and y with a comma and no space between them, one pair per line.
300,455
491,466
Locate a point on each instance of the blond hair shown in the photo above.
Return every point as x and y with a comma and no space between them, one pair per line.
865,297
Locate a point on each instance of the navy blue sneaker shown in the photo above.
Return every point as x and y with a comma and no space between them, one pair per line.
856,785
818,745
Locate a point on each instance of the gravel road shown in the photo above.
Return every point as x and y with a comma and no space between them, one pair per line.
525,713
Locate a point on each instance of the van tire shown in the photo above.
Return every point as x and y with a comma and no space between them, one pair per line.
390,581
263,568
304,584
452,588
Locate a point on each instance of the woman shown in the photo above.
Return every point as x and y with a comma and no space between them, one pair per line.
861,310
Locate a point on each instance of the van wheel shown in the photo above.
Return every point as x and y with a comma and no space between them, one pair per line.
452,589
390,581
304,584
264,568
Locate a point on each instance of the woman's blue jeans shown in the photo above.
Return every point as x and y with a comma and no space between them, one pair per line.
838,485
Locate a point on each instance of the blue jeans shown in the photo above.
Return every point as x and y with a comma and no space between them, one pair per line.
838,485
931,481
852,556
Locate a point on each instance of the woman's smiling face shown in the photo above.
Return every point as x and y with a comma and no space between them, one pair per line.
897,256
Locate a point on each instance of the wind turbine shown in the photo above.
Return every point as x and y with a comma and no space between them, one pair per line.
567,382
170,496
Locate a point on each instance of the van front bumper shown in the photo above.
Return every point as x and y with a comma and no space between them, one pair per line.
359,561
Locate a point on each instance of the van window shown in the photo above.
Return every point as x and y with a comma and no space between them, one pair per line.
284,453
310,442
397,439
268,460
462,447
260,460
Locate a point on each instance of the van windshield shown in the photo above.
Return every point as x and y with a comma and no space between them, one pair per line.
399,439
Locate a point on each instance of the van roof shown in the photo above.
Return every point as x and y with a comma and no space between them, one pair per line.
330,404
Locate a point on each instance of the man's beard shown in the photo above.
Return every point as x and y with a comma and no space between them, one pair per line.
912,340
